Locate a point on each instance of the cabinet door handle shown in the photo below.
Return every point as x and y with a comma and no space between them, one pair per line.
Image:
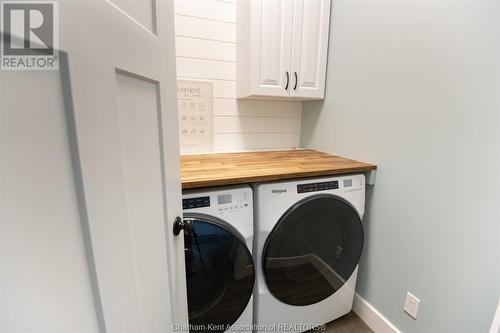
287,80
295,86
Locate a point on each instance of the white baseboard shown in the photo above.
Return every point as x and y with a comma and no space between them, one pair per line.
495,325
374,319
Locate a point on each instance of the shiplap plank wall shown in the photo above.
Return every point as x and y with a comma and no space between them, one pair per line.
206,50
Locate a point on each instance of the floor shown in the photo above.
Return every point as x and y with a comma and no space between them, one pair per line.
350,323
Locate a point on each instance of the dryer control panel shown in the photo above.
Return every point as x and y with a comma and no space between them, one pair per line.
313,187
275,198
344,184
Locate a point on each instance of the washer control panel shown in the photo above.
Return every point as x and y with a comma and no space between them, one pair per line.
232,202
198,202
220,203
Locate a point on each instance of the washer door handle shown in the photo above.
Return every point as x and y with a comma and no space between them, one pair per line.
182,224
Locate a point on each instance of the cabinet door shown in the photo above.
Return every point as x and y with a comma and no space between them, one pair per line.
311,23
272,44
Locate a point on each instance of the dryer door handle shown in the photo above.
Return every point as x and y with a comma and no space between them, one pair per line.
182,224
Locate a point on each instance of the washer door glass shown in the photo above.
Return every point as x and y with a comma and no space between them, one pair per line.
313,250
220,274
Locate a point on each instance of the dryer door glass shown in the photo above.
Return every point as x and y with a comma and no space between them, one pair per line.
220,274
313,250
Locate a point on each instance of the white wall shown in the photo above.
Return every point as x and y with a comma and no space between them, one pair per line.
206,50
414,86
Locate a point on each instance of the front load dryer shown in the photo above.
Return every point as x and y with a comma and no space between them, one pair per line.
220,271
309,238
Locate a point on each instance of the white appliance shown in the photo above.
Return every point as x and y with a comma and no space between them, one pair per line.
220,271
308,241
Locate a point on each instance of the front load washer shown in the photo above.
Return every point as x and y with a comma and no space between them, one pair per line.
308,241
220,271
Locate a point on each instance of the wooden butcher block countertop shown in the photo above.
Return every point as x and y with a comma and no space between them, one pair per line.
207,170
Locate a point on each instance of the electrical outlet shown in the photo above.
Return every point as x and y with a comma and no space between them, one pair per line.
411,305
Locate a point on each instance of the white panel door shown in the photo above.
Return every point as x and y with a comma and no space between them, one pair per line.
271,47
45,285
91,185
311,24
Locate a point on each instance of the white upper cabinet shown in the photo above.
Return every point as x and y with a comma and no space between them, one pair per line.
282,48
271,49
311,22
